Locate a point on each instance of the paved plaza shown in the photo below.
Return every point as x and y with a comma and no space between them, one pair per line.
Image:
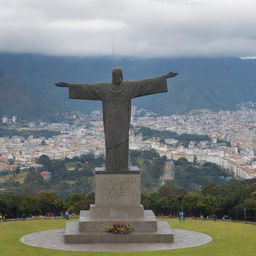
53,239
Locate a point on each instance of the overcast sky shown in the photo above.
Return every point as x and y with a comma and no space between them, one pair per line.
141,28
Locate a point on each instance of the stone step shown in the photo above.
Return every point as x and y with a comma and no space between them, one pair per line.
164,234
148,215
146,224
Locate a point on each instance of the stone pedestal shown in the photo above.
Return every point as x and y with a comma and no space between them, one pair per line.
117,200
117,195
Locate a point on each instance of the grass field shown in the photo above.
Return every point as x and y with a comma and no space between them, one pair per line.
229,239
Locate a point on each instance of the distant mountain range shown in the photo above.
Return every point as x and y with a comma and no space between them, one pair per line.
27,83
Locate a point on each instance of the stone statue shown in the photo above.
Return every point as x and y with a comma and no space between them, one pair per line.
116,98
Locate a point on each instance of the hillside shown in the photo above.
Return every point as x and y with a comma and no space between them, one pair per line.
18,98
27,83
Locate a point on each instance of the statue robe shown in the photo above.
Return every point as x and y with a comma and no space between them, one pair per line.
117,112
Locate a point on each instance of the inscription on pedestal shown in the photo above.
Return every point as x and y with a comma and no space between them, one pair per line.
118,190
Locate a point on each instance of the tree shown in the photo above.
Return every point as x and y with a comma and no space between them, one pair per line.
43,143
30,205
17,171
3,204
10,204
212,190
49,202
181,162
44,160
193,205
77,202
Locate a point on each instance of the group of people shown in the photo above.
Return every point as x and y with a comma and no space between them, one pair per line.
181,215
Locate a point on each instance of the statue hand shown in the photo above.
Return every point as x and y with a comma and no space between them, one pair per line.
171,74
62,84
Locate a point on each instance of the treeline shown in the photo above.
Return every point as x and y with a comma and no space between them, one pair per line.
14,205
184,139
66,176
75,175
236,200
26,133
193,176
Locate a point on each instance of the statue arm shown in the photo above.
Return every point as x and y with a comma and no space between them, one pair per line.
84,91
150,86
169,75
63,84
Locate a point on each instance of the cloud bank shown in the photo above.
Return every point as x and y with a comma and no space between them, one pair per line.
143,28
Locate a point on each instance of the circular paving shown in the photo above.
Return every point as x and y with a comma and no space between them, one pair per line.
53,239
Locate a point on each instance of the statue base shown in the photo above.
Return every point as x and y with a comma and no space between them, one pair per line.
117,200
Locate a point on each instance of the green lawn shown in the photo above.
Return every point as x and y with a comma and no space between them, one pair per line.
229,239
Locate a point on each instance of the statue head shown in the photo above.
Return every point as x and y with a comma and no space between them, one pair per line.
117,76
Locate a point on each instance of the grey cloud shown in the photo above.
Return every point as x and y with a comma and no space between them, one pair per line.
136,28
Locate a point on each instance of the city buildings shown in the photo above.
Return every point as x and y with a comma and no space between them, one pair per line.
82,134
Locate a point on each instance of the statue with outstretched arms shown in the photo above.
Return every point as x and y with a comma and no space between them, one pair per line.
116,98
